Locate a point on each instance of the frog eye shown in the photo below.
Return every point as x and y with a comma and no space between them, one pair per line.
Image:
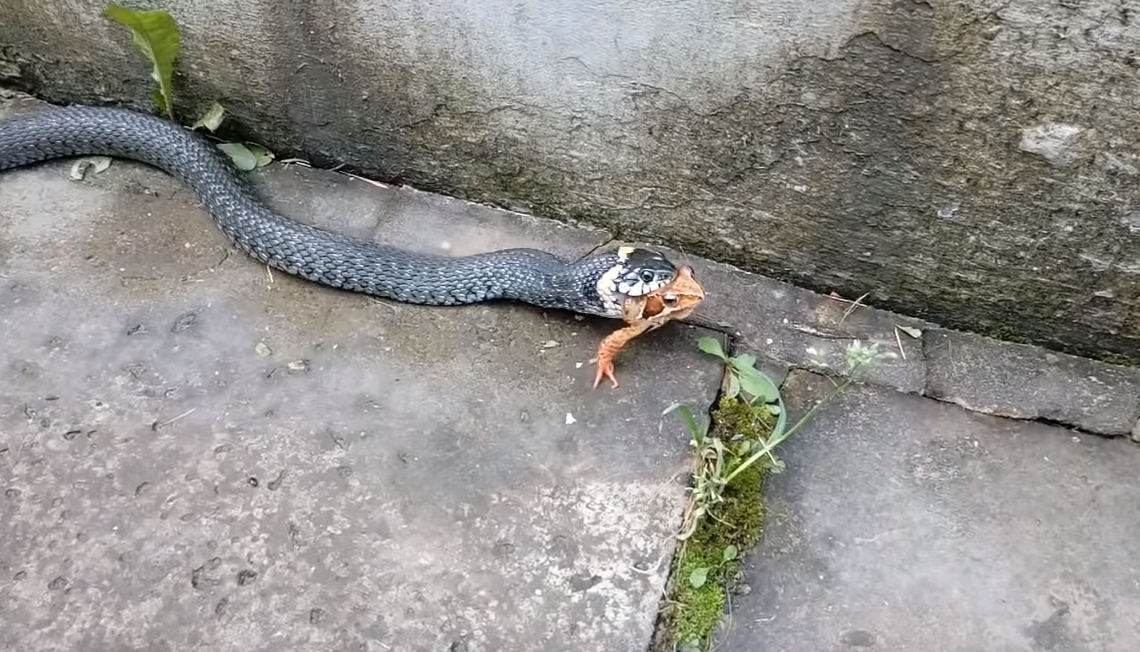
670,299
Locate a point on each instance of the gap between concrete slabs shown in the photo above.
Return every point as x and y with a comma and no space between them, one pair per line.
198,452
904,523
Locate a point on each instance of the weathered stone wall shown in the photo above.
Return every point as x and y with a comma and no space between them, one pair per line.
974,162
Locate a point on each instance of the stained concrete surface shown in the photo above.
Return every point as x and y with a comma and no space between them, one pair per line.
903,523
196,453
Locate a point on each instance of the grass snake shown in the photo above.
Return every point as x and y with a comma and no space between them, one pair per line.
597,284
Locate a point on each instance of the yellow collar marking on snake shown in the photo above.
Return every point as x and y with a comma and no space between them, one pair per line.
637,273
607,289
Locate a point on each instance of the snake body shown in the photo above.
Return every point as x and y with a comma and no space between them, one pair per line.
596,284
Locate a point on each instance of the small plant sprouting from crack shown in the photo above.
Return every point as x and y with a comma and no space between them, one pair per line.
735,447
713,466
157,37
717,466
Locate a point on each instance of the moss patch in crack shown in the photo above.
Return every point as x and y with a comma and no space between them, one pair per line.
707,564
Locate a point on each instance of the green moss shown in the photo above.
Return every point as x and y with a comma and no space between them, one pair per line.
1005,333
743,510
693,612
1119,359
697,610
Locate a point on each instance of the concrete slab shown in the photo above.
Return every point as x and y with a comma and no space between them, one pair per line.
904,523
1027,382
196,453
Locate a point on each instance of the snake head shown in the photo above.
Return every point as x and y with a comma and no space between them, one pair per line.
636,273
676,299
642,271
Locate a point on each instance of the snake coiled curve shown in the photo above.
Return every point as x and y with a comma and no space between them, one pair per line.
592,285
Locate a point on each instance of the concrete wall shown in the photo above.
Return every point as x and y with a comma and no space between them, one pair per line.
971,161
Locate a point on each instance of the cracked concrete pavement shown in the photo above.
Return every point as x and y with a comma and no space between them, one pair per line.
904,523
195,452
198,453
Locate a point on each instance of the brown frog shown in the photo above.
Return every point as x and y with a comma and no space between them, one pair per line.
675,300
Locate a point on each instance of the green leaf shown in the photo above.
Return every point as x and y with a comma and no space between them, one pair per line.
781,423
247,156
733,386
711,346
759,385
691,645
698,577
695,431
263,155
729,553
212,118
157,38
743,362
240,155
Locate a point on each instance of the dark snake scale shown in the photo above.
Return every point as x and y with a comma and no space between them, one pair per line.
594,285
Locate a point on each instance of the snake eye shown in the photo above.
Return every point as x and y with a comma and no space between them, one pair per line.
647,276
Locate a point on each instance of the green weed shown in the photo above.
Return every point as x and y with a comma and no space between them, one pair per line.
735,448
157,37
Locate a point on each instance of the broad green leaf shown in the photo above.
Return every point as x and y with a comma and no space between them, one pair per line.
743,361
711,346
759,385
733,386
156,37
263,155
212,118
240,155
698,577
730,553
